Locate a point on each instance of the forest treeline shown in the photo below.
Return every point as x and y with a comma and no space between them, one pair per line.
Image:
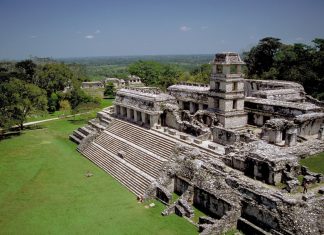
27,88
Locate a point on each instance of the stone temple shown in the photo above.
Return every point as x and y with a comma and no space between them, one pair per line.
230,149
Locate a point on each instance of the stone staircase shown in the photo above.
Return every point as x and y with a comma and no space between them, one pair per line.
79,134
141,137
129,176
131,154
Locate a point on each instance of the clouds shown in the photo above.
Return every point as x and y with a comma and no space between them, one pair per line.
185,28
92,36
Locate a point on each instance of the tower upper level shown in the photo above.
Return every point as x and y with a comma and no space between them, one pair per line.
227,64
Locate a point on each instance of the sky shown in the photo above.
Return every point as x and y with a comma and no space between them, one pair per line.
82,28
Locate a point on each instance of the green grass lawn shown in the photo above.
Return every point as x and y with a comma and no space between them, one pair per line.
43,190
314,163
37,117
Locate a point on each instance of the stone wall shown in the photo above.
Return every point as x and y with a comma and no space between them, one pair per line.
224,136
209,204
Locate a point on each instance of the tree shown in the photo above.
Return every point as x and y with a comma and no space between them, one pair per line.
300,63
53,102
260,58
65,107
169,75
54,77
110,90
149,71
26,70
20,99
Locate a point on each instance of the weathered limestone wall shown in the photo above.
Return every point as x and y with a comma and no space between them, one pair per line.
209,204
259,85
309,124
180,185
224,136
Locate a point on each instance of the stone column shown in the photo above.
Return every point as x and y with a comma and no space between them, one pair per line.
192,107
135,116
154,119
117,110
128,114
122,111
201,106
291,137
143,117
321,133
275,136
181,106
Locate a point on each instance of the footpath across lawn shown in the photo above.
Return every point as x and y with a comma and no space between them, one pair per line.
43,190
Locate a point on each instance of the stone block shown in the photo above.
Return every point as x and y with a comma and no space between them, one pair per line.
158,126
172,132
213,147
197,141
165,129
184,137
321,190
308,196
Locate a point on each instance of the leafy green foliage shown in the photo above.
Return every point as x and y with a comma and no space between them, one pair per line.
110,90
271,59
54,77
20,99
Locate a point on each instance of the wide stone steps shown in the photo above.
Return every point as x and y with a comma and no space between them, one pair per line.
140,159
136,135
125,174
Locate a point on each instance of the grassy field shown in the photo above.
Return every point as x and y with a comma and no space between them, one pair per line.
314,163
43,190
37,117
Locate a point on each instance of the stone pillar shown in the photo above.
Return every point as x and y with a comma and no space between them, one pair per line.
291,137
122,111
275,136
143,117
201,106
321,133
192,107
135,116
128,114
154,119
181,106
117,110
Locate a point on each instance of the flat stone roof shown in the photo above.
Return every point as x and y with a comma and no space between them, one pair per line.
95,82
145,93
308,116
189,88
276,92
268,152
277,83
286,104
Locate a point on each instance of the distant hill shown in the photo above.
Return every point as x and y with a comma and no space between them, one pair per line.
183,60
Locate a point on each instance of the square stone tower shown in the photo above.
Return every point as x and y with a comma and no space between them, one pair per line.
226,94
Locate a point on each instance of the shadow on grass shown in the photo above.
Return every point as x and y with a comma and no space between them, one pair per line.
10,134
14,132
78,121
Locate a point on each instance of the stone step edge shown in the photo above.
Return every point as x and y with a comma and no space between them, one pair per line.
135,146
126,163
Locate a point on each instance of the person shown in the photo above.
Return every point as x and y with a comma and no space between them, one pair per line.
305,186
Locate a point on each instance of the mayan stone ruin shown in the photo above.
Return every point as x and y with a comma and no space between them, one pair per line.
230,149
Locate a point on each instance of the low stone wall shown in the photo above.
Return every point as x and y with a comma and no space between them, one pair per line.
224,136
